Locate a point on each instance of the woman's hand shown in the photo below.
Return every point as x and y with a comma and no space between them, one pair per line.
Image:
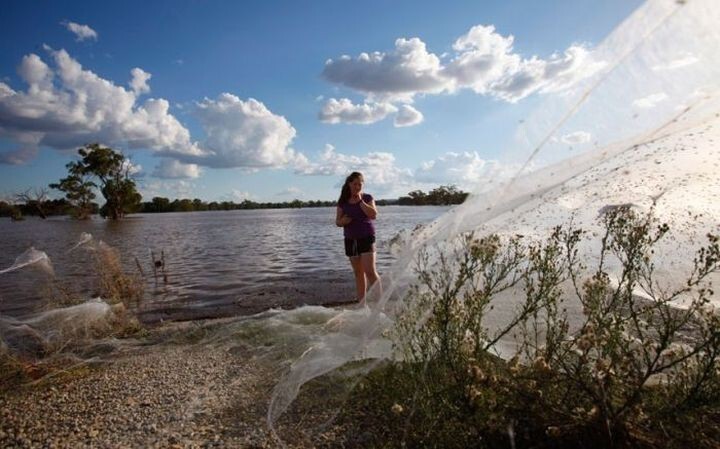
344,220
341,220
369,208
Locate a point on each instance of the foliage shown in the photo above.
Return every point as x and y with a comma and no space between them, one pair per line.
634,369
34,200
440,196
161,204
111,170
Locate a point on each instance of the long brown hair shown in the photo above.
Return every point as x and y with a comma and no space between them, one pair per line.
345,192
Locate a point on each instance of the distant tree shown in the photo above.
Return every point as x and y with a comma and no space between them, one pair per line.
443,195
112,170
161,204
198,204
79,190
34,200
10,210
183,205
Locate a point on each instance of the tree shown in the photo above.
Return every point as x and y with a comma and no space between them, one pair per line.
78,190
161,204
440,196
112,170
34,200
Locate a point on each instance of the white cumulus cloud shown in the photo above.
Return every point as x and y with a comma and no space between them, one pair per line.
244,134
132,169
139,80
67,106
344,111
238,196
174,169
167,188
379,167
482,60
399,74
81,32
408,116
464,169
290,191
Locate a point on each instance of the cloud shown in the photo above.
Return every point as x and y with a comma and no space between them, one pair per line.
290,191
576,138
397,75
139,80
344,111
408,116
81,32
135,170
466,169
243,134
67,106
238,196
379,168
682,61
174,169
482,60
168,188
19,156
650,101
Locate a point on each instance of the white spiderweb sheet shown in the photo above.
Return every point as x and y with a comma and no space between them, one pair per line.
651,114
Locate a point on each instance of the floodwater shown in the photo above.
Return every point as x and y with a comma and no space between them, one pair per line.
216,263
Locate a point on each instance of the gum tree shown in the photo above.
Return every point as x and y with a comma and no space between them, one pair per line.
106,169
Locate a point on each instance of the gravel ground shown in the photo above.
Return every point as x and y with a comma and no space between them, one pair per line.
172,396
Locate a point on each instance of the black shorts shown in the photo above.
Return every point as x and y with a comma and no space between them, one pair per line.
355,247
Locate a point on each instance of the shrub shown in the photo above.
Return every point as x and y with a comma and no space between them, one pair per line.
631,368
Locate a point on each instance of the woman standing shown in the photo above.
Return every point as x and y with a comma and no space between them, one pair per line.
356,212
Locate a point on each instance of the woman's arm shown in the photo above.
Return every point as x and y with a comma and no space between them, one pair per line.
369,208
341,219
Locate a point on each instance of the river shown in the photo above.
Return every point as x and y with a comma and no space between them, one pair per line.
216,263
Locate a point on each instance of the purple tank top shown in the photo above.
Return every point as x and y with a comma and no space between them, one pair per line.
361,226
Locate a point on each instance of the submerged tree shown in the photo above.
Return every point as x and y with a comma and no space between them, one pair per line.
112,170
35,200
78,190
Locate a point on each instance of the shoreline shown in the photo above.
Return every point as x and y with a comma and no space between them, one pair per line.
183,384
178,395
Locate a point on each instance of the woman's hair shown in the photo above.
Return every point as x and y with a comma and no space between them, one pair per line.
345,192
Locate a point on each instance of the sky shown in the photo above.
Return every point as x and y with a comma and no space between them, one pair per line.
272,101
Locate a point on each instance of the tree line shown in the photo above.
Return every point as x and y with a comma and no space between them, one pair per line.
108,171
441,196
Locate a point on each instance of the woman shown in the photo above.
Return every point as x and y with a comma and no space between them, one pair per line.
355,214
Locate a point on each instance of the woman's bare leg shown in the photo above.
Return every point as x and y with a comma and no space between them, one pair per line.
368,265
360,283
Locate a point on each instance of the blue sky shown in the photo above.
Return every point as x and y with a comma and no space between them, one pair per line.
170,83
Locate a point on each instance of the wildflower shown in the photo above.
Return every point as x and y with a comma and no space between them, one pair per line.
476,373
514,364
553,431
541,365
473,393
467,346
